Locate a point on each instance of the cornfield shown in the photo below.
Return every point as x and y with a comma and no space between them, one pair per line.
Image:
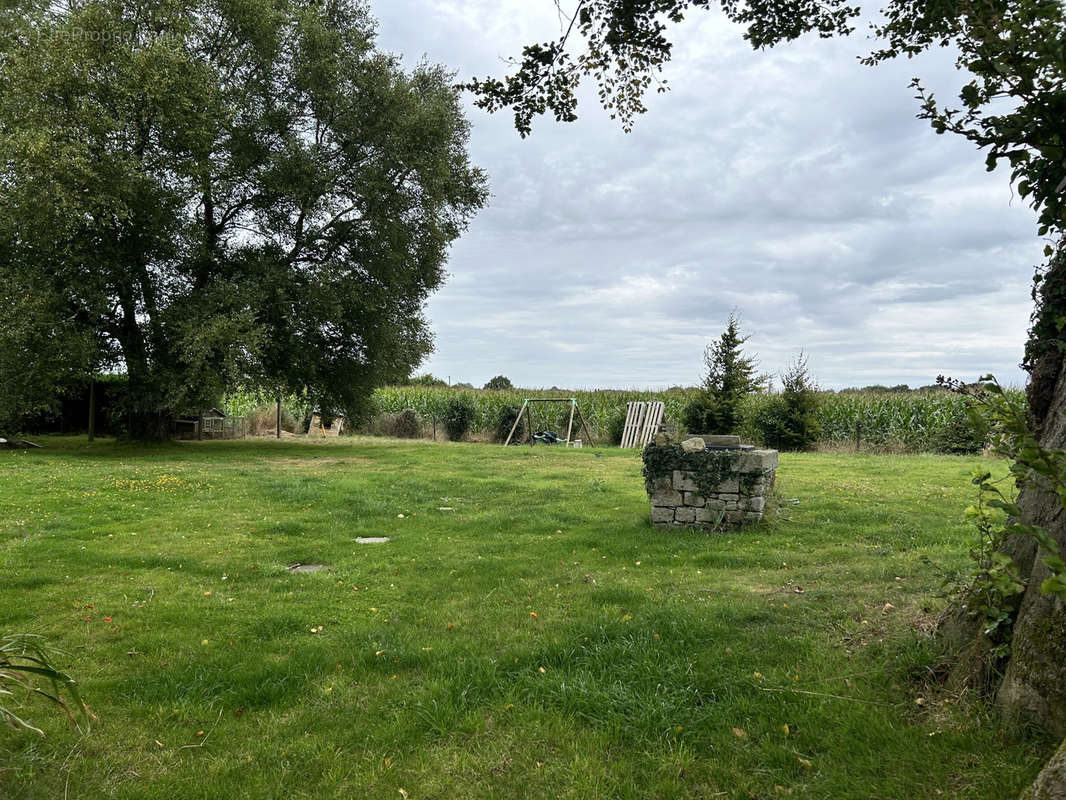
596,407
914,420
920,421
910,421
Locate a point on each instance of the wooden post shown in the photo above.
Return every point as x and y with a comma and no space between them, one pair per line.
92,409
858,433
517,419
279,419
585,428
570,422
200,425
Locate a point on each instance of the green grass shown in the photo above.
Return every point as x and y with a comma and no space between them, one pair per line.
540,640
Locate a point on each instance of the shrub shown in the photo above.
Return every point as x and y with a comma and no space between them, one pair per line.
962,434
789,421
505,418
458,416
382,424
404,425
769,421
264,419
499,383
407,425
698,416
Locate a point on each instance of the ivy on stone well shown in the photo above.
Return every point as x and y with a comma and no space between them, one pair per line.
709,468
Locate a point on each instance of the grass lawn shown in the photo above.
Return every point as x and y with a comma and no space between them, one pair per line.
538,639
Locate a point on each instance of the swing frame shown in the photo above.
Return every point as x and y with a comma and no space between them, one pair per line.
527,411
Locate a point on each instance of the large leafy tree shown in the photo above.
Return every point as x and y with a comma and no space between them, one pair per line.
1013,107
217,192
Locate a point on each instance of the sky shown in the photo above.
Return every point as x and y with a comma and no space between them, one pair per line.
793,185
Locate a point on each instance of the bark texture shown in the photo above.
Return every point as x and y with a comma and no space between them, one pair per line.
1050,784
1035,680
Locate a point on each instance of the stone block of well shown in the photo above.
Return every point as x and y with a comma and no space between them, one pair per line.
712,488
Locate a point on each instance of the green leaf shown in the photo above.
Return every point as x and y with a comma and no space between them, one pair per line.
1012,509
1054,585
1055,563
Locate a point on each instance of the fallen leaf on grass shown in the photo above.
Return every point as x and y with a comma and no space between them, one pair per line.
740,733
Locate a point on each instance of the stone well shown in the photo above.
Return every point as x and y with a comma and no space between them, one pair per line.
716,486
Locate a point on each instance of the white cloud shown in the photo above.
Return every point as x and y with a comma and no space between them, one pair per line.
793,184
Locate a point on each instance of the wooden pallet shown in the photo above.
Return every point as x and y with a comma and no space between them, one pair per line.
642,422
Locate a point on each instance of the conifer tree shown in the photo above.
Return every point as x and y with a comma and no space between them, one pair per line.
730,376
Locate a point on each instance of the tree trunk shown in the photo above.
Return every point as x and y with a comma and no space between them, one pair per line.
1050,784
1035,681
1034,684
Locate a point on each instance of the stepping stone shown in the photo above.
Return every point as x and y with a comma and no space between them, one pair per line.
372,539
307,567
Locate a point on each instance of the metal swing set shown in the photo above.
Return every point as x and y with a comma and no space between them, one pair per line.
527,412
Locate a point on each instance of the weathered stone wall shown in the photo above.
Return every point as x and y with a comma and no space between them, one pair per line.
689,485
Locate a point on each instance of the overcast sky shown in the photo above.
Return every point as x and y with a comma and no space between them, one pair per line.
794,185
